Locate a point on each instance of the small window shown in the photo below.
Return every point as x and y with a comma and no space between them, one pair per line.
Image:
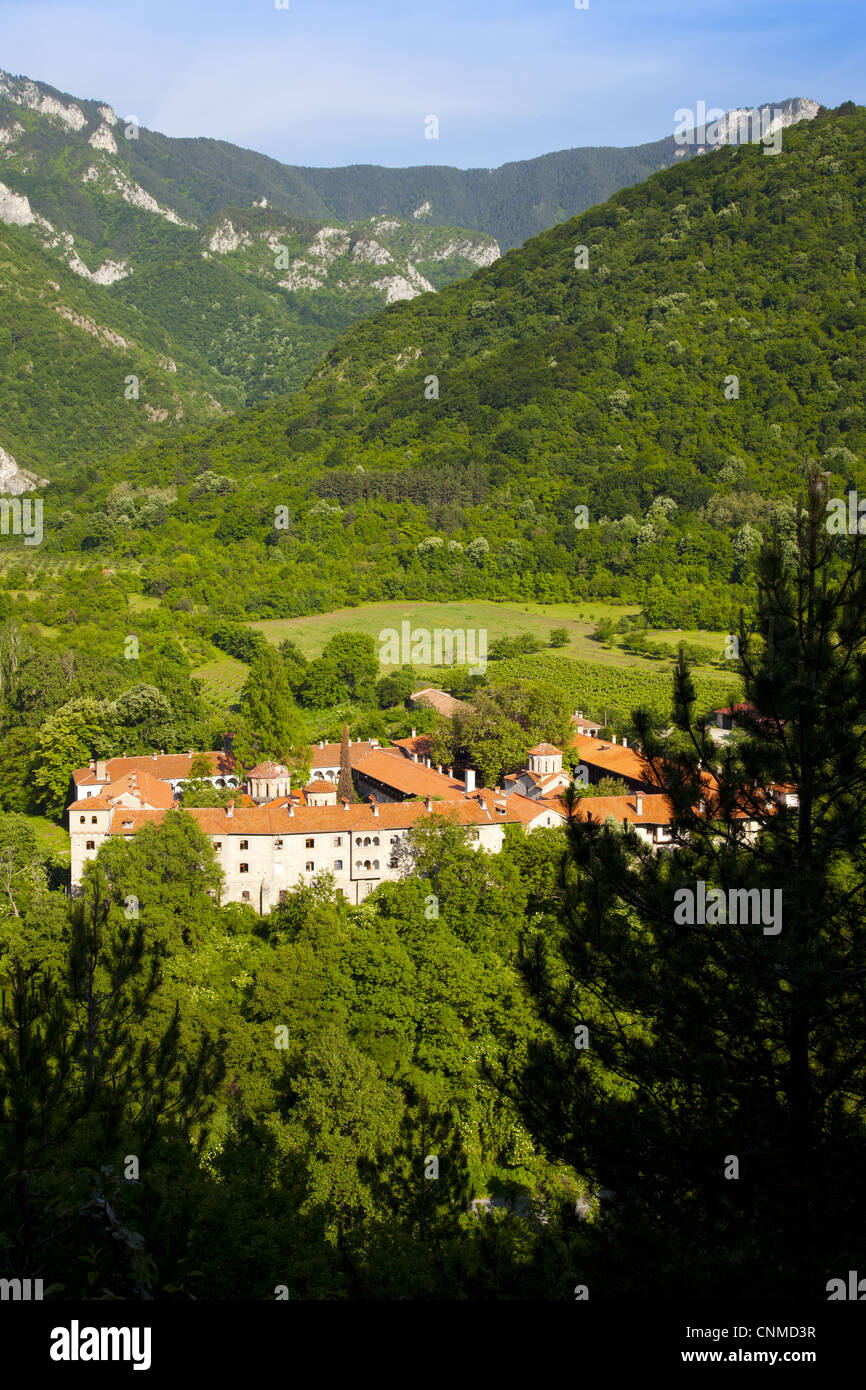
245,897
310,866
91,844
278,844
338,863
245,844
93,820
338,840
244,869
358,840
476,835
82,819
309,844
395,839
375,839
217,844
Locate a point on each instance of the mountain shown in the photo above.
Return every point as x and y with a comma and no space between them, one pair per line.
205,278
192,180
664,361
127,317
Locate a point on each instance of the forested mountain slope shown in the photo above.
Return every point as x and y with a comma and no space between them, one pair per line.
672,388
105,280
194,179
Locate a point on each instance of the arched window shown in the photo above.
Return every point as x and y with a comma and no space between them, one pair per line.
375,864
366,841
375,839
367,864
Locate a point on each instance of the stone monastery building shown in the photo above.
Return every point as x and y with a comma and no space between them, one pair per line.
272,838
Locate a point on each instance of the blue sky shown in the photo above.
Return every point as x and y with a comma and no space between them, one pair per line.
332,82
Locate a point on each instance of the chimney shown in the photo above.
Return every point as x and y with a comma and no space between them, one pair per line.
375,807
428,803
414,757
153,755
613,738
470,780
701,807
450,772
230,809
638,804
345,805
580,714
92,763
414,734
290,808
190,753
429,764
624,741
101,771
438,767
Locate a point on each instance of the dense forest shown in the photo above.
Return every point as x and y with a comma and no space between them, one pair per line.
502,1076
199,177
542,430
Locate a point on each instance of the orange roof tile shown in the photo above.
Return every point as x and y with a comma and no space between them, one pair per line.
657,809
410,778
612,758
274,819
439,700
166,766
151,790
328,755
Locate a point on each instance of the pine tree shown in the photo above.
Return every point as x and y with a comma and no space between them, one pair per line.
345,789
92,1072
718,1090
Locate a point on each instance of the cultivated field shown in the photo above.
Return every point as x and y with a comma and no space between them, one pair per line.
500,620
223,677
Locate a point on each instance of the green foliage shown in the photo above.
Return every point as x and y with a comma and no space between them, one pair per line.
271,729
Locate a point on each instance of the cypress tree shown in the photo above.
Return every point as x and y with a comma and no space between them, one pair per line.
271,721
345,789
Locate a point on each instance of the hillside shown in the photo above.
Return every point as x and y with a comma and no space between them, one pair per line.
607,388
242,303
194,179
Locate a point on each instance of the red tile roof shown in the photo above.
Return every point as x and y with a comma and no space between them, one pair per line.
419,744
274,819
612,758
657,809
166,766
329,754
439,700
410,778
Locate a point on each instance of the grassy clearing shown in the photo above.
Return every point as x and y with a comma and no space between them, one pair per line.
311,633
221,680
51,838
